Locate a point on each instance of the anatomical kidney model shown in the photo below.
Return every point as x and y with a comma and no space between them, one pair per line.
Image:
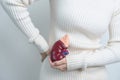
60,49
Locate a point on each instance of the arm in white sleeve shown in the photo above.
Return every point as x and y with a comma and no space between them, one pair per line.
17,11
100,57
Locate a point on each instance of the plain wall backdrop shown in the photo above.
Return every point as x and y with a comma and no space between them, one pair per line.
20,60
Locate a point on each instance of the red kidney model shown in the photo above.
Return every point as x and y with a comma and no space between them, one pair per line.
60,49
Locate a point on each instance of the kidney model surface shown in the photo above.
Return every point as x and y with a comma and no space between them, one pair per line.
60,49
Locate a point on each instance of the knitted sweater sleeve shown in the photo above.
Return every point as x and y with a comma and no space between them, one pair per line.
100,57
17,11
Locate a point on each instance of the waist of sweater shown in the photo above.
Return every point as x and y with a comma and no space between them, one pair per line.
78,41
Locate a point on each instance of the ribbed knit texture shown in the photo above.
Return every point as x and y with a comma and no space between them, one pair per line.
85,21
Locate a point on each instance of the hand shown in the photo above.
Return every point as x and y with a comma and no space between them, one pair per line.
45,54
60,65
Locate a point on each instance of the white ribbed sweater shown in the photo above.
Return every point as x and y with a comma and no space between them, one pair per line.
85,21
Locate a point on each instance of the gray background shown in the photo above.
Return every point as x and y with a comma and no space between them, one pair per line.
20,60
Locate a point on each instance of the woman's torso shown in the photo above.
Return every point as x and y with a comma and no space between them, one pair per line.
86,21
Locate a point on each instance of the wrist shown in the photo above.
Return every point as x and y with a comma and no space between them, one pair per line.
41,44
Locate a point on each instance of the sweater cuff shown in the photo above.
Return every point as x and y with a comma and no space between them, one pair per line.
75,61
41,44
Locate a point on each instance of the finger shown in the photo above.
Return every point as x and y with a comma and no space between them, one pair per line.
44,55
51,63
61,67
60,62
43,58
